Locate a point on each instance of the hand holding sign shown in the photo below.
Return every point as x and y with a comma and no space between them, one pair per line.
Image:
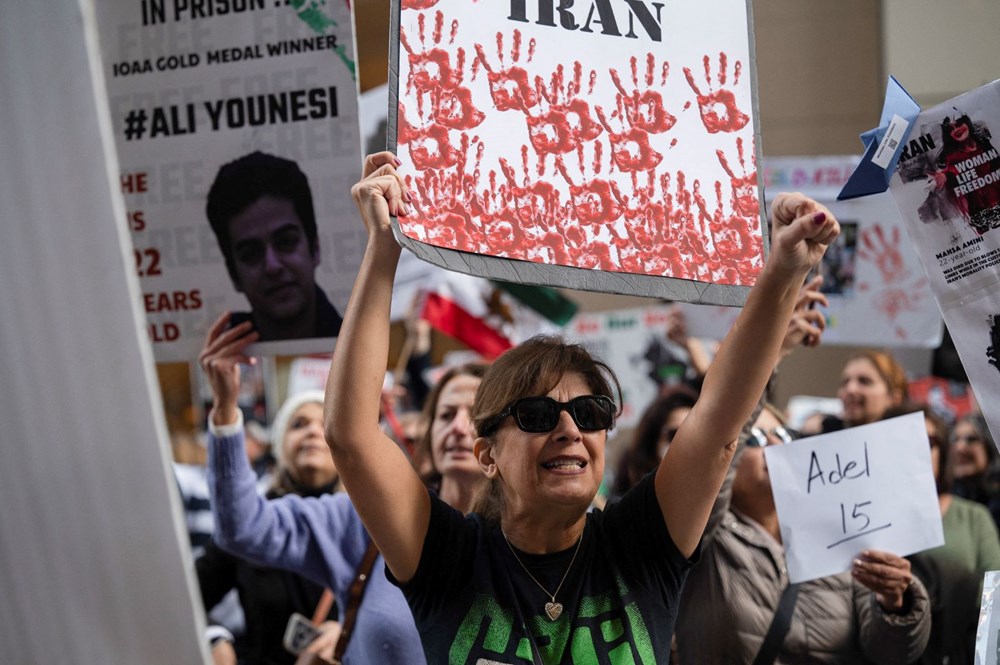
220,358
865,487
884,573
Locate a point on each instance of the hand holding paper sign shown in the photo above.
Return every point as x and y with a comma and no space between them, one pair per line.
885,574
865,487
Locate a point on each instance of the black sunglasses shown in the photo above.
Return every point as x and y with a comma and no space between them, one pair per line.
541,414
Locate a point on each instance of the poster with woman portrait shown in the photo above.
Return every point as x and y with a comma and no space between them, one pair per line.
607,145
237,139
947,188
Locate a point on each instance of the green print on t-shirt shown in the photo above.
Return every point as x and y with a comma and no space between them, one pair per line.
602,631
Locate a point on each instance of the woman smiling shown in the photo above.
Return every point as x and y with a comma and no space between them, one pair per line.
537,577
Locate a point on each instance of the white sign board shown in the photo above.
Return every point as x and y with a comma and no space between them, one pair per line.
606,146
237,132
868,487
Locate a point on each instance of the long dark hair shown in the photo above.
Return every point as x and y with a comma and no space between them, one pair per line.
642,454
979,135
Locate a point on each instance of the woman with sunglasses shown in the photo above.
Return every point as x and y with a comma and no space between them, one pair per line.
874,614
536,577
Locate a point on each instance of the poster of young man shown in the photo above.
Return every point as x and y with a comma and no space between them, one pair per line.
237,134
877,292
606,145
947,188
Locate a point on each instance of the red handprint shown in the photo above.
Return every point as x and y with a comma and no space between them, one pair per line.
429,145
453,107
884,253
567,122
596,200
898,292
645,110
510,87
430,68
718,107
534,204
738,247
630,148
745,201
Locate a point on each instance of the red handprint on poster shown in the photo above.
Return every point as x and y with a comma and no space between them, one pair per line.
896,293
717,107
744,186
511,88
645,110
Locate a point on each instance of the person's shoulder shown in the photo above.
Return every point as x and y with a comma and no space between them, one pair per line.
970,511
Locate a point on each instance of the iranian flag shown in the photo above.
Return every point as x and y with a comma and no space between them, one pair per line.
490,317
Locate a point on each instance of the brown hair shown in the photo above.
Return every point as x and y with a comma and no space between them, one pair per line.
890,370
533,368
422,457
642,455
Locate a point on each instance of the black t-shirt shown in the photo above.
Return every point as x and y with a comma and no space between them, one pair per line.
473,603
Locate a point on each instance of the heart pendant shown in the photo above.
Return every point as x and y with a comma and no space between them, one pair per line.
553,610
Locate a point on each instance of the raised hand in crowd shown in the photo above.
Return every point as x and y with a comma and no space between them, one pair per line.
808,323
220,359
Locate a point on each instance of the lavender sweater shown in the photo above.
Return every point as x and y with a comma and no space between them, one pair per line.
320,538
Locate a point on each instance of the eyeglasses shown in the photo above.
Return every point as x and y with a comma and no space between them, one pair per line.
541,414
759,437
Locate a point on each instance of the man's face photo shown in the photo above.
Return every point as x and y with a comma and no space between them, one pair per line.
273,265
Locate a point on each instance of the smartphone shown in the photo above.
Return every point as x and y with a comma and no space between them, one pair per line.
299,633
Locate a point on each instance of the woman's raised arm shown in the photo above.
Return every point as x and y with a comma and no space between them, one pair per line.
387,493
695,465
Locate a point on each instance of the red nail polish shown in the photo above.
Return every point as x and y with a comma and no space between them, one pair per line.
819,218
396,161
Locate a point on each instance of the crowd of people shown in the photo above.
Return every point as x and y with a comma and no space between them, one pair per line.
492,539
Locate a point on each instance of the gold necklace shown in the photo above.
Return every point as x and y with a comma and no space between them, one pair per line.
553,610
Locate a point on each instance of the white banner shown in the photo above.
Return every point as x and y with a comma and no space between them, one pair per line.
96,565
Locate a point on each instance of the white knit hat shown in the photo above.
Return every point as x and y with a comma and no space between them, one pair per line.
280,425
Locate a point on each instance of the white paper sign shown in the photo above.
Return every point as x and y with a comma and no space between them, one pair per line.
868,487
